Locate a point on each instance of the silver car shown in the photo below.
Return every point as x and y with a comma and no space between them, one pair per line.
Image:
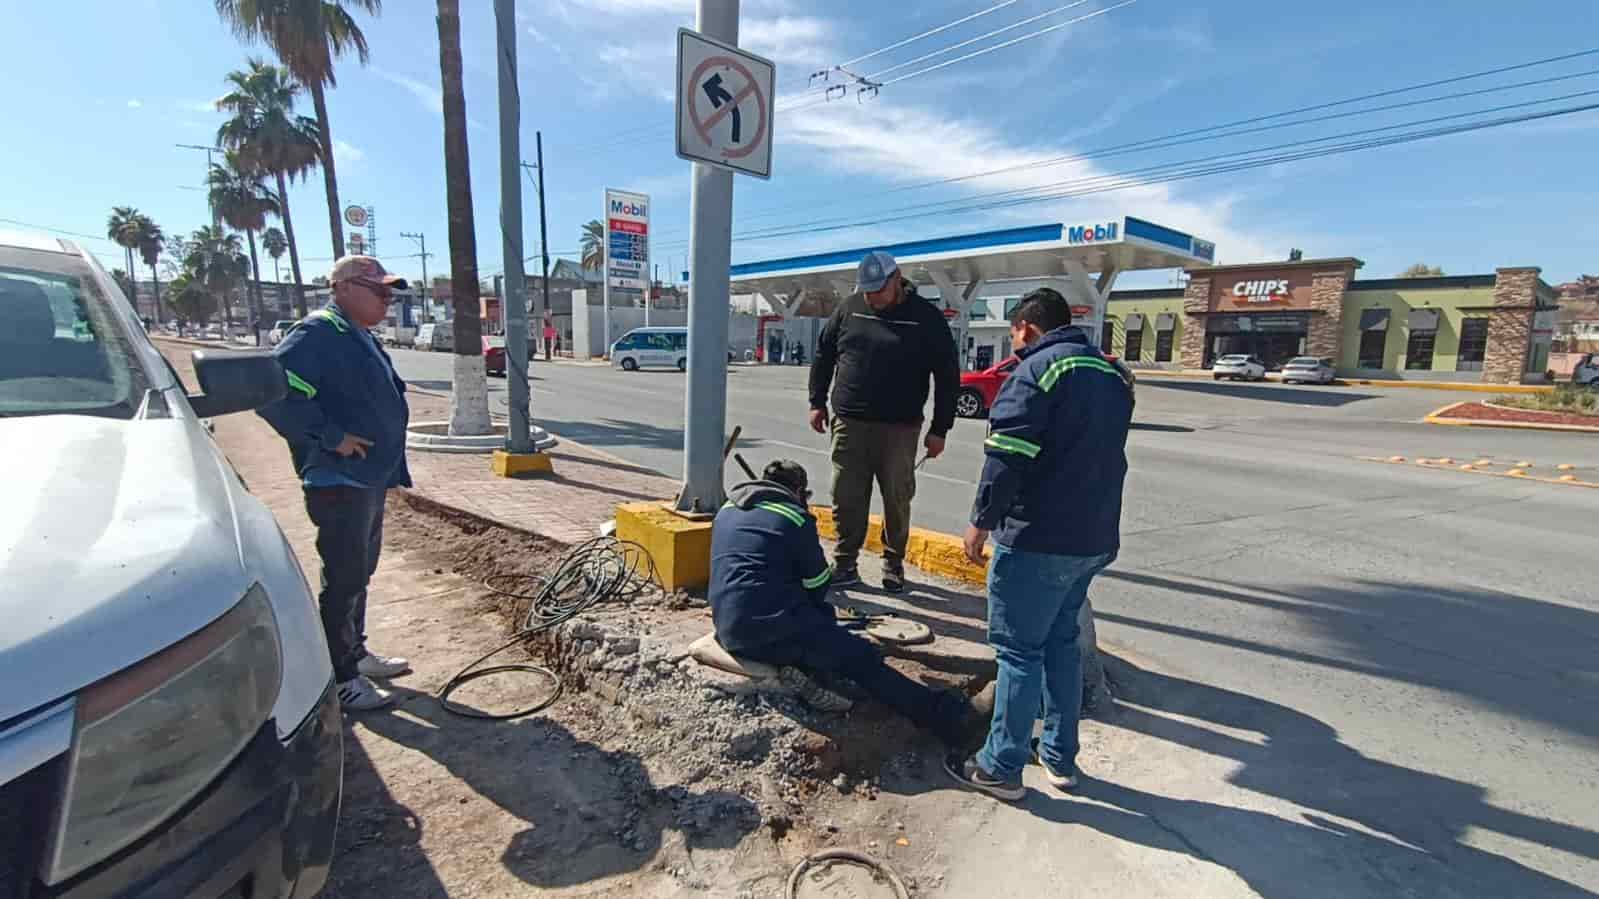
1309,370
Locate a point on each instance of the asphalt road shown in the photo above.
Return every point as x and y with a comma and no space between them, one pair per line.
1405,657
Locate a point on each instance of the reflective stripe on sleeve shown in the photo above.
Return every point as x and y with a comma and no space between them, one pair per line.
811,583
1007,444
300,384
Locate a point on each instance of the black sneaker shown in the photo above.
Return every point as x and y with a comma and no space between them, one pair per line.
971,775
1062,782
846,576
893,581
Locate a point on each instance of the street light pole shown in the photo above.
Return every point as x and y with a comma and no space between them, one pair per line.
544,236
216,216
710,247
518,439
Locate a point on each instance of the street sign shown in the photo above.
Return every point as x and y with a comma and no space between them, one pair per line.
355,215
725,100
627,239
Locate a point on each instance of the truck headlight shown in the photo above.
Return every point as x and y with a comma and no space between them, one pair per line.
152,736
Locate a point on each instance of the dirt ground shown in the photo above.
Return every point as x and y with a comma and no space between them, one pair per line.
648,776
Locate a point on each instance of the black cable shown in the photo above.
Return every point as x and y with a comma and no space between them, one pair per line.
592,572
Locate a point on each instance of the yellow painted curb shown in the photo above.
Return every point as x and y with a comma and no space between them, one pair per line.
931,551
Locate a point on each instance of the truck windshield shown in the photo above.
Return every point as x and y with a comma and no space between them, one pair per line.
62,351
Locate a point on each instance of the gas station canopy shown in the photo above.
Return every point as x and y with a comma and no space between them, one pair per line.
1040,251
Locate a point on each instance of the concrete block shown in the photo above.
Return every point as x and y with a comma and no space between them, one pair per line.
681,548
513,465
940,554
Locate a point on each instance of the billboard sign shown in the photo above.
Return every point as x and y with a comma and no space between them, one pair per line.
627,240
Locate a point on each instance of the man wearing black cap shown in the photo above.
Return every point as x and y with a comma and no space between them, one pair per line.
768,595
876,354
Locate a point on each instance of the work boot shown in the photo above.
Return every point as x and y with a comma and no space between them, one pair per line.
893,580
846,576
811,693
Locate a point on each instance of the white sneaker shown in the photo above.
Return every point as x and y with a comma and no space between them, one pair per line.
374,665
361,695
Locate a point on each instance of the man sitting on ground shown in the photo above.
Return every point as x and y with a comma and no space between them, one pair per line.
768,593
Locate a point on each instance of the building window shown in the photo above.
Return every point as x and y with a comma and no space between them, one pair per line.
1372,346
1418,354
1107,338
1473,344
1163,345
1135,346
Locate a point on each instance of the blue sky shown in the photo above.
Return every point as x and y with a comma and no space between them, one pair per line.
98,98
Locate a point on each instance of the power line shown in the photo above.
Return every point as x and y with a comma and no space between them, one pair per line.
1012,42
1179,138
39,227
1192,168
969,41
926,34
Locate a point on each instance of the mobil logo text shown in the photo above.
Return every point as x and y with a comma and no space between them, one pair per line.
1091,233
630,209
1273,291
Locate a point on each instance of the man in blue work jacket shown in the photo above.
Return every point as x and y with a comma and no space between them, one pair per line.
344,419
1051,494
768,595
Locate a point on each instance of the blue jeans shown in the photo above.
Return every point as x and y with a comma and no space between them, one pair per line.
1033,602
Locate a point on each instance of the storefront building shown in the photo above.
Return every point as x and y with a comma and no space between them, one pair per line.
1493,328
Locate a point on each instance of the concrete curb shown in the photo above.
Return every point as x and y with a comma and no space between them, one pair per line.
1434,418
931,551
1142,373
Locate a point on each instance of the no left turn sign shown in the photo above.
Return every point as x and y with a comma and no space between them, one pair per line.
724,105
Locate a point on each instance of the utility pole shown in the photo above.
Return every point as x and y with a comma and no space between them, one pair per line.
422,251
655,286
216,217
514,299
544,234
711,249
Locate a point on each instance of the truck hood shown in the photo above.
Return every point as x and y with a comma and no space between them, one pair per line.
117,538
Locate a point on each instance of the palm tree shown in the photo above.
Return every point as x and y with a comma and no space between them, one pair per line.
273,241
244,202
150,246
307,36
217,263
593,245
469,401
123,226
271,140
190,303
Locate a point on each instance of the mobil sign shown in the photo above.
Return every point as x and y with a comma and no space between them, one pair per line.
627,239
1081,234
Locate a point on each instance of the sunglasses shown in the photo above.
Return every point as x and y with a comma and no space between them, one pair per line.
378,287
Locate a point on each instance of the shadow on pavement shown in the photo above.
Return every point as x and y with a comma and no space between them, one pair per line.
1160,429
440,386
615,432
584,813
1373,828
1275,394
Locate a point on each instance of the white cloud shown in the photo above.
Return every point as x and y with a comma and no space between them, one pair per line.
135,104
789,39
646,69
430,96
346,153
849,136
200,106
540,36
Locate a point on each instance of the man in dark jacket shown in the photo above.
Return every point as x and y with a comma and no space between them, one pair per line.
768,595
1051,494
877,353
344,418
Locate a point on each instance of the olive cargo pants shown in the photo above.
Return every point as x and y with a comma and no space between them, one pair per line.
864,451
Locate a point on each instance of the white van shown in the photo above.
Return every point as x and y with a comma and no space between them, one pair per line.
651,347
438,337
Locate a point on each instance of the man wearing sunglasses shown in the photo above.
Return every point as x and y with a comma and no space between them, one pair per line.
344,418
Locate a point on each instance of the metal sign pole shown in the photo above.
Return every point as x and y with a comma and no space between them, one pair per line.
605,270
514,297
711,251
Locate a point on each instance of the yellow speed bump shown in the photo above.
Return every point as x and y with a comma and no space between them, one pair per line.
1517,472
1483,462
1396,458
1468,467
1568,478
1523,464
1446,461
1566,467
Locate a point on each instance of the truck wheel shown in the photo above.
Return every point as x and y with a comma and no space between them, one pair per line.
629,364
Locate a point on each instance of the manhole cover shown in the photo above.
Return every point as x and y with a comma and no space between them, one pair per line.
900,631
842,874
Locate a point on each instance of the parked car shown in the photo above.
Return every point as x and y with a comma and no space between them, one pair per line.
437,337
651,348
1309,370
1240,368
494,354
1587,371
280,329
979,388
169,724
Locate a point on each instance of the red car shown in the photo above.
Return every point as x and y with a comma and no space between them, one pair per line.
494,355
978,388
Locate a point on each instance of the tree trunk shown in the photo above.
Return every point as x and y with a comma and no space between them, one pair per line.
255,289
330,179
469,400
294,251
133,280
155,278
